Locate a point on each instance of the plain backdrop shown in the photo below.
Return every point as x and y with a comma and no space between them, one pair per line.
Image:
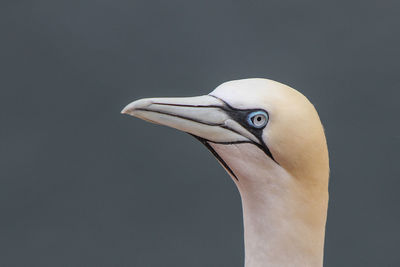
82,185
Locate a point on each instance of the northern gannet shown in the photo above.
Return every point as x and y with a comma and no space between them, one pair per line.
270,140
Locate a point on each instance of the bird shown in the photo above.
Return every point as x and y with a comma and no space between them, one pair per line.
270,140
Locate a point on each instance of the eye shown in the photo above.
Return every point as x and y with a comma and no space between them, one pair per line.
257,119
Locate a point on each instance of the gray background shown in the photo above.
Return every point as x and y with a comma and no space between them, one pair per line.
82,185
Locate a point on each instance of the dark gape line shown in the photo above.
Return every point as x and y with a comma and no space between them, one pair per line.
204,142
239,115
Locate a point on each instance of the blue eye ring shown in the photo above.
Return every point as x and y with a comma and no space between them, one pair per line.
258,119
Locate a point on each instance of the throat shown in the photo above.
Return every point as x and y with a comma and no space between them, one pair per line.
284,220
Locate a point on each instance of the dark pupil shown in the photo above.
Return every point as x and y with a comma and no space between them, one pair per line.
258,118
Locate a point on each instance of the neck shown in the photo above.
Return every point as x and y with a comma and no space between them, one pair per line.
280,231
284,217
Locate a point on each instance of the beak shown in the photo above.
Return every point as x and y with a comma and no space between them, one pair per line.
205,116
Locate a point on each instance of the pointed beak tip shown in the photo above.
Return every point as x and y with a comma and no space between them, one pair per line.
131,107
124,111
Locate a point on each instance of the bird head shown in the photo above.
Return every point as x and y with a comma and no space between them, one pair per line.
270,140
252,126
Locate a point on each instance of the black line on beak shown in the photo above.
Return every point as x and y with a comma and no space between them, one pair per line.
237,115
179,116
